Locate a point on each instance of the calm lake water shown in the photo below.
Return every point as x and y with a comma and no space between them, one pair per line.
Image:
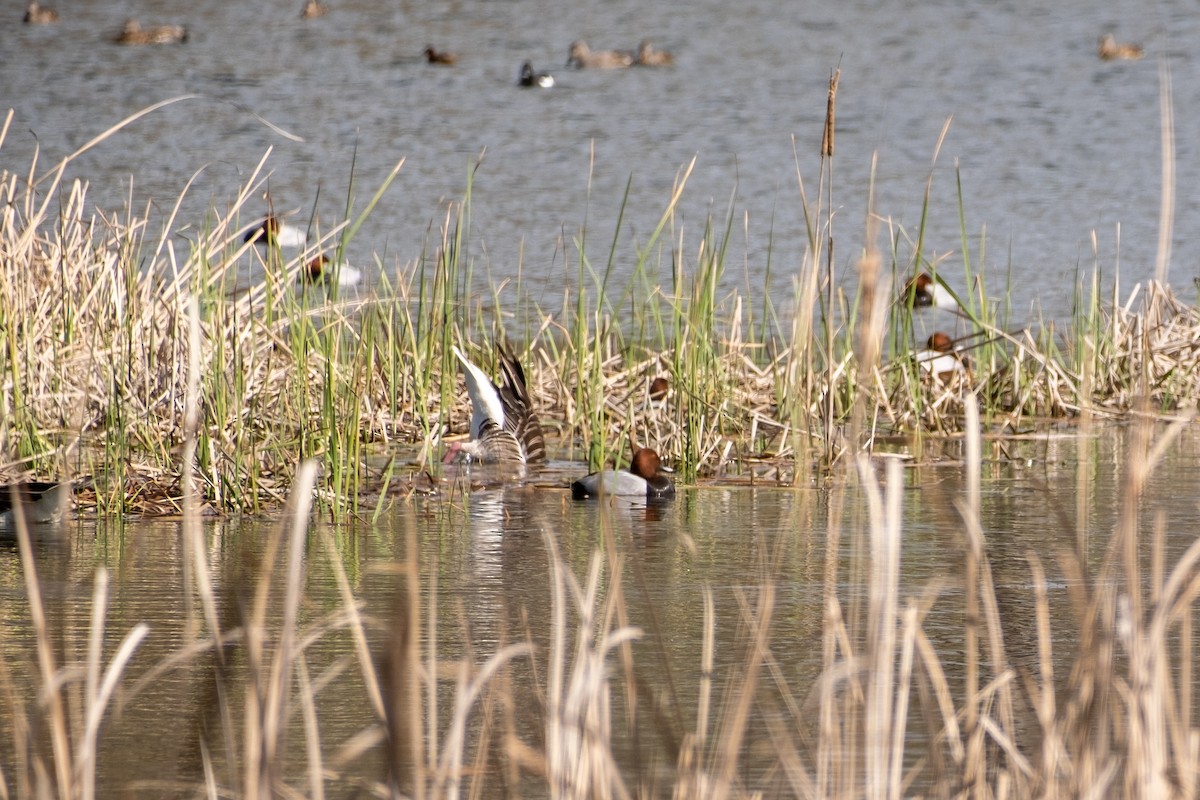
1053,143
485,577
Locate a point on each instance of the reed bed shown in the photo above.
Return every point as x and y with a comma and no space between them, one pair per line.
207,378
200,376
94,314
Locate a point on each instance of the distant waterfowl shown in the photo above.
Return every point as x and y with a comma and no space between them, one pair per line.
648,56
274,233
313,9
504,428
529,78
134,33
37,14
658,388
1112,50
584,57
42,502
434,56
940,360
644,478
925,292
323,269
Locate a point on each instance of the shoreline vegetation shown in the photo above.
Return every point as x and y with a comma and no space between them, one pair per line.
127,357
96,313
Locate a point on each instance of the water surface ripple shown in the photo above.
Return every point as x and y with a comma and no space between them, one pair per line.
1052,142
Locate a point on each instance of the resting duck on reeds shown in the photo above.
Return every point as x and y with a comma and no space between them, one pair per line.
37,14
941,360
644,478
925,292
434,56
529,78
648,56
43,502
323,269
582,56
1112,50
134,33
313,9
504,428
272,232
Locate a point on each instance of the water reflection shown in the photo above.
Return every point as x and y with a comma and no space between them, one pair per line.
483,563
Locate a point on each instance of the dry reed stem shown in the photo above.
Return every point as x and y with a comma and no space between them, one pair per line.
357,629
881,627
119,310
579,760
50,696
467,690
153,335
73,766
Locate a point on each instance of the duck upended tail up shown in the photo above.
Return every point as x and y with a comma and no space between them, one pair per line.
504,428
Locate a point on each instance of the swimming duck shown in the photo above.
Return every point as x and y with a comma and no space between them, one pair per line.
926,292
134,33
313,9
322,269
529,78
1112,50
644,478
43,502
439,56
504,428
941,360
37,14
274,233
647,56
583,56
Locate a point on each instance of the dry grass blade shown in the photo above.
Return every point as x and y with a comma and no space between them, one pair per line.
214,379
51,698
267,712
881,624
579,759
99,692
468,689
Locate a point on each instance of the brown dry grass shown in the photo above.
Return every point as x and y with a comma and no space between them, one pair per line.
94,317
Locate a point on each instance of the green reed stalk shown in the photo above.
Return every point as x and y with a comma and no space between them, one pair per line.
452,293
588,345
696,358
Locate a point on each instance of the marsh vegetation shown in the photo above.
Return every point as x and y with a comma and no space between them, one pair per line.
199,373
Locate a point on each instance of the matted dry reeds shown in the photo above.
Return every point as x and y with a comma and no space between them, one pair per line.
94,314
